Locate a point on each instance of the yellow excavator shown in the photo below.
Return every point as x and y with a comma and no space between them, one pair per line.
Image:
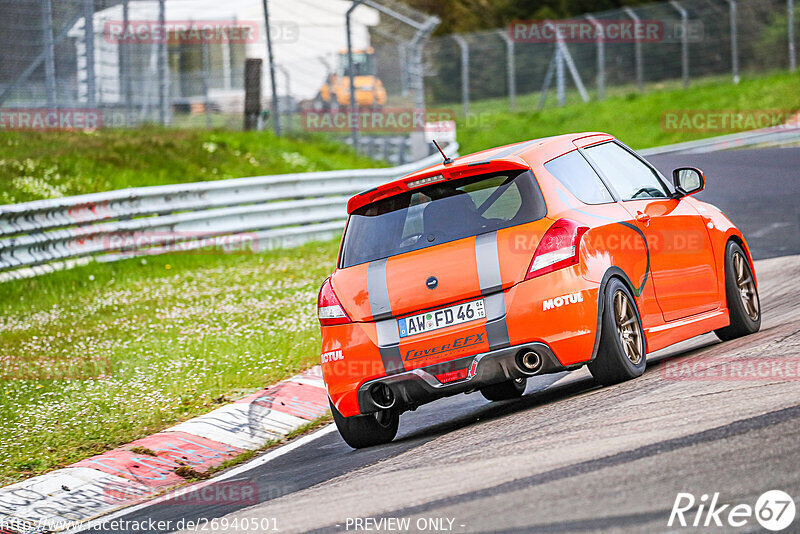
370,93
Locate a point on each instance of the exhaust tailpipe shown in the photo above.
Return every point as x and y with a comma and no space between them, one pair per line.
382,396
529,362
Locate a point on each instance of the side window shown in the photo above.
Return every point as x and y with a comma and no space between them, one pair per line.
575,173
632,179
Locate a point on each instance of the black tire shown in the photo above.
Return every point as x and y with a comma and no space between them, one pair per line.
510,389
745,318
613,364
360,431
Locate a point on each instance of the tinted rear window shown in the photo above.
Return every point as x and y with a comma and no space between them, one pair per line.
440,213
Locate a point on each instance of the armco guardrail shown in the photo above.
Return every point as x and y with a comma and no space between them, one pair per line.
772,136
260,212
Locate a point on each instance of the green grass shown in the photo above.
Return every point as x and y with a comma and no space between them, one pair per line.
103,354
37,165
634,118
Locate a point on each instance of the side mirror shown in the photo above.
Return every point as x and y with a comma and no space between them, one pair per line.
688,180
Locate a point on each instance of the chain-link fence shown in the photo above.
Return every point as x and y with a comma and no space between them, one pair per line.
625,50
122,63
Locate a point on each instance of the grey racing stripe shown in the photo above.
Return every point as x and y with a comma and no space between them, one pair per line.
488,263
491,284
389,346
378,290
381,309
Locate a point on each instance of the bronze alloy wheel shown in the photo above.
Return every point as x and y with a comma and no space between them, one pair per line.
628,329
746,286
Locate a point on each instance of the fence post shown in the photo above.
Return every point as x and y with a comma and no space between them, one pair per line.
560,88
464,47
790,16
387,148
637,51
252,93
601,58
288,88
684,41
401,151
510,69
88,40
734,41
402,55
274,111
125,50
162,64
49,51
351,74
206,82
548,77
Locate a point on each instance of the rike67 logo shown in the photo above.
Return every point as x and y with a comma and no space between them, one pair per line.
774,510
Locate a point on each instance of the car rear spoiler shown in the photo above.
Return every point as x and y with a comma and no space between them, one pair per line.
439,173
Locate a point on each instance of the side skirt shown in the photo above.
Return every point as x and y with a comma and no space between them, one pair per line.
673,332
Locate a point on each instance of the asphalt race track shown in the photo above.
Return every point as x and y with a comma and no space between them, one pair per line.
758,189
571,456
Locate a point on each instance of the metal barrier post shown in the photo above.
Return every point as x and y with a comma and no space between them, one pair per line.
49,51
88,39
684,42
790,17
637,51
351,74
206,83
274,112
734,41
125,53
162,65
548,77
560,88
464,47
288,88
601,58
402,53
510,70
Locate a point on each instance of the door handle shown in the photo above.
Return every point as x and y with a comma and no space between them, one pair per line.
643,218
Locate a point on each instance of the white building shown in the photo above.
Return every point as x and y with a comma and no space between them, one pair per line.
307,34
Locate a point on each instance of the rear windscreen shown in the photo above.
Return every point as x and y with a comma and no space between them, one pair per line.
440,213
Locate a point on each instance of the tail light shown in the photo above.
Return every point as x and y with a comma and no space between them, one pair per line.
559,248
329,309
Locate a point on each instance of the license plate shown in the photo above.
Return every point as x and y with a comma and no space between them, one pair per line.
434,320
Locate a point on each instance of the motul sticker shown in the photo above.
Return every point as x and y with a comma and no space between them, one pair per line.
332,356
557,302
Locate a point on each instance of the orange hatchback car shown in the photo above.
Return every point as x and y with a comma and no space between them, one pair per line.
533,258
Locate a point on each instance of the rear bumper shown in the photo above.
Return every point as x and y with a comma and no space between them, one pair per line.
419,386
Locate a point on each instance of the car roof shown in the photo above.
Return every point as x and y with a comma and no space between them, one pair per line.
520,155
